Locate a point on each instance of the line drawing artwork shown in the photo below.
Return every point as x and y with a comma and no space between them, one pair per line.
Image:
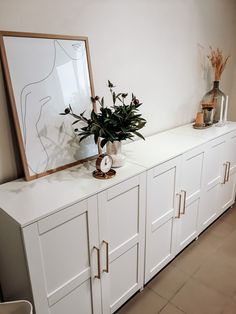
48,138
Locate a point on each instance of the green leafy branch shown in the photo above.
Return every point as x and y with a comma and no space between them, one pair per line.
116,123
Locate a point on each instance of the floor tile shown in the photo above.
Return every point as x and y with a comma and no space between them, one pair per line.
208,242
234,297
170,309
220,236
168,281
221,257
232,236
230,216
221,228
216,274
196,298
227,251
190,260
147,302
230,307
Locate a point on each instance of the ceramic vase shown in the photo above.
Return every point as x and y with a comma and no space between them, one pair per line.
114,149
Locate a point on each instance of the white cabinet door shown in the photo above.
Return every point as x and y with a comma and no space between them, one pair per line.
162,203
122,227
63,261
213,177
186,223
228,181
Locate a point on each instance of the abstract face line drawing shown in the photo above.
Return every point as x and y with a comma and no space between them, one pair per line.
47,74
28,90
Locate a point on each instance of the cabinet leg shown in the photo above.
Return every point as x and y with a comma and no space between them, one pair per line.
141,289
196,238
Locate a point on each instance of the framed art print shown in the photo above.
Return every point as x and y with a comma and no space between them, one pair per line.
44,75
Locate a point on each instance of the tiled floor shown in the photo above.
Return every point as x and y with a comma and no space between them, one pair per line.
201,280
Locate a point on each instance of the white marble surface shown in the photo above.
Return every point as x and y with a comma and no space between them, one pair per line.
27,202
161,147
207,134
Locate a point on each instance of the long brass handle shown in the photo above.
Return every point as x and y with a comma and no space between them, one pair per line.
184,205
98,276
229,165
107,257
226,170
180,197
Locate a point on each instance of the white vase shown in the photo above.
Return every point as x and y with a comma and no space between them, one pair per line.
115,151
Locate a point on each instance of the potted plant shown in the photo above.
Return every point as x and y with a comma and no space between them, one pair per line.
111,125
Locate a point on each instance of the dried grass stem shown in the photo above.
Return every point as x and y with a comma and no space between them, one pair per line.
218,62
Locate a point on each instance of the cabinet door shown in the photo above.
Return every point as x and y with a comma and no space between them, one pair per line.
212,180
62,260
121,227
228,182
162,203
232,151
186,224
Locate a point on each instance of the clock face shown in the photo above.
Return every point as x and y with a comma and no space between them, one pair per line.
106,163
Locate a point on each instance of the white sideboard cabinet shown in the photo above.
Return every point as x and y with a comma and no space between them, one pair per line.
190,182
86,258
72,244
173,200
218,178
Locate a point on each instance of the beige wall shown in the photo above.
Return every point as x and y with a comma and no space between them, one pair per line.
232,100
155,48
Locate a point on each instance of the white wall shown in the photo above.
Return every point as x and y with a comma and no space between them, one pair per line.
232,103
155,48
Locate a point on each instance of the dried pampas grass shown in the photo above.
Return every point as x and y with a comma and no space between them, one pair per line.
218,62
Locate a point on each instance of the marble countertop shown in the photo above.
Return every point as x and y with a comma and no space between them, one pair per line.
27,202
166,145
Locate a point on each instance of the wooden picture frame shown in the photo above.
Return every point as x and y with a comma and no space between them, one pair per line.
46,73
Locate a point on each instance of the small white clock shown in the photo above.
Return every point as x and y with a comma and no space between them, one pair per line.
103,167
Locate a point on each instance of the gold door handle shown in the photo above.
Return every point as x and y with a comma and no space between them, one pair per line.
98,276
229,164
107,257
226,171
184,205
179,208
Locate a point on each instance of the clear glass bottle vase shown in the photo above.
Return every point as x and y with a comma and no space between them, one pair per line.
215,98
